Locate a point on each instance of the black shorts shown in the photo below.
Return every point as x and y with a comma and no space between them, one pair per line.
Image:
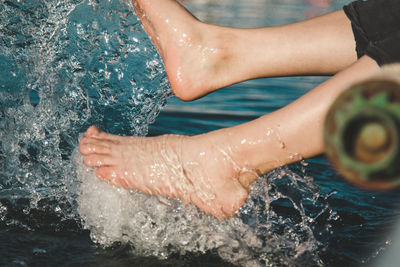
376,28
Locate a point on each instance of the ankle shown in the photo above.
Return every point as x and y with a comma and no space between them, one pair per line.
221,147
253,152
209,58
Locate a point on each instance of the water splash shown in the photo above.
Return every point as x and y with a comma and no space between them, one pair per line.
66,65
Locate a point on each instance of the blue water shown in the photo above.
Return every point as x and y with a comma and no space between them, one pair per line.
57,79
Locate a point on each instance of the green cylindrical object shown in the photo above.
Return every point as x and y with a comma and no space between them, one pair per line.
362,134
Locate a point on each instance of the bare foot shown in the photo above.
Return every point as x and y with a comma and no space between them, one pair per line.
194,53
192,169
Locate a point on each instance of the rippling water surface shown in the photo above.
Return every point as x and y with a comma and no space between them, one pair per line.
67,64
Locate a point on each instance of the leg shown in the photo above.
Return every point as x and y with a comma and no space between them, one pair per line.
214,171
200,58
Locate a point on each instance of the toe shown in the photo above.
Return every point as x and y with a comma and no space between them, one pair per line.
104,173
92,131
84,140
107,173
87,148
107,136
98,160
113,176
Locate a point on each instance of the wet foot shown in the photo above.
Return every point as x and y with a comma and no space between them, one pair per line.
192,169
194,53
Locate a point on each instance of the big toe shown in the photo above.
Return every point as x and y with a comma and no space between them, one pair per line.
92,131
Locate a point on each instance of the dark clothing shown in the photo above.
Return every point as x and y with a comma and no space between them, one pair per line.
376,28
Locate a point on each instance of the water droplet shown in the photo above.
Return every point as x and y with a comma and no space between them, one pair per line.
304,163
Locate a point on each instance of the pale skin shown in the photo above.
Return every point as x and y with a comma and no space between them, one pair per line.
215,170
